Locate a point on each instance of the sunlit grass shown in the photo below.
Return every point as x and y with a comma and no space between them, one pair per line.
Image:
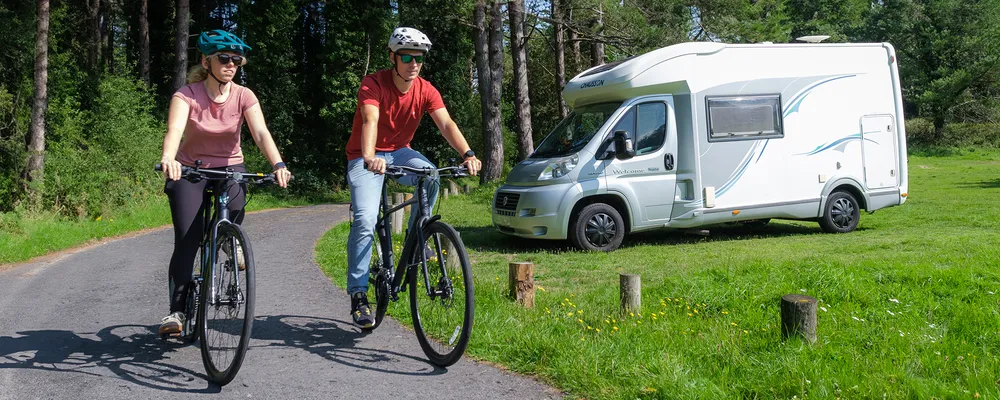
908,302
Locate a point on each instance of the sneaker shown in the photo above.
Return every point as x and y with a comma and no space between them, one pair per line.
429,255
360,310
172,325
241,263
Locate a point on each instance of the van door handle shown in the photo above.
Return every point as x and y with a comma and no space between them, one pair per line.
668,162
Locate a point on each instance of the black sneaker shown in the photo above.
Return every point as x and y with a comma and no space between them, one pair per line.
360,310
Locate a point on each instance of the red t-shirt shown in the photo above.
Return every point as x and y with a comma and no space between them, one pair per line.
398,113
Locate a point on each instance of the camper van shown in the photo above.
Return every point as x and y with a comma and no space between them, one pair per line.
701,134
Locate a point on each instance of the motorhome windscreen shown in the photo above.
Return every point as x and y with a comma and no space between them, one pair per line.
575,131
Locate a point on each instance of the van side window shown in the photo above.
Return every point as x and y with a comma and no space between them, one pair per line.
651,127
627,123
744,117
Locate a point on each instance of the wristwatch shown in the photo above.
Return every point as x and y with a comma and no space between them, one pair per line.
468,154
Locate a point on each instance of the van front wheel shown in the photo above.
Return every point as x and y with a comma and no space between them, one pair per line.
841,213
597,227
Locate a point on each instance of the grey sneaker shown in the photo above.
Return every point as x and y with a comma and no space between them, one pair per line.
240,260
360,311
172,325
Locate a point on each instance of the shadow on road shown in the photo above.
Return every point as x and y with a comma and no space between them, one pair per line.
336,341
132,352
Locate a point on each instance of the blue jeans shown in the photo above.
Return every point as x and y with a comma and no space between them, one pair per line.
366,193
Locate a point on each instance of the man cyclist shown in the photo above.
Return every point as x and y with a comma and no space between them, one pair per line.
391,103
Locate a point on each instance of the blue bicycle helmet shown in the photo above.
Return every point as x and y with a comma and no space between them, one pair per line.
214,41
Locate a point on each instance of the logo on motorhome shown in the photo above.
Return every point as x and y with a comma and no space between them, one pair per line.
599,82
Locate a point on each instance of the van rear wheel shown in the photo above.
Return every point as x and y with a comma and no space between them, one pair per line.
597,227
841,214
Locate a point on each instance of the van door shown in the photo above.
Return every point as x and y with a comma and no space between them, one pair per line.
878,146
648,179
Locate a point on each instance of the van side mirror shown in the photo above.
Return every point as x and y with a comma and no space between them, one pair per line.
623,145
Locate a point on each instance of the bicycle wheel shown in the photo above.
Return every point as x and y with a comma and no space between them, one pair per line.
379,279
227,306
190,332
441,301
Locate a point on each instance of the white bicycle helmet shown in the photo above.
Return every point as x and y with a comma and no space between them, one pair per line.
404,38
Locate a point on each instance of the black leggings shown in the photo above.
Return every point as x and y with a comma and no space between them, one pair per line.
187,202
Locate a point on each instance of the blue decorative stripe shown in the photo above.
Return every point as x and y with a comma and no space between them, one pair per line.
824,147
796,101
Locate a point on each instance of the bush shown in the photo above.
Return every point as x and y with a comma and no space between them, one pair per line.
920,135
103,159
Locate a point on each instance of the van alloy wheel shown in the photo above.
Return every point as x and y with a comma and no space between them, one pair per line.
841,214
600,230
597,226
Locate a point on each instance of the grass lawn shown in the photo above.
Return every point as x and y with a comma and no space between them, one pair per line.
27,235
908,302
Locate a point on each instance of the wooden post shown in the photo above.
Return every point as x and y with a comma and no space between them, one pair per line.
522,283
468,188
398,198
630,287
397,222
452,186
798,316
451,258
407,197
446,193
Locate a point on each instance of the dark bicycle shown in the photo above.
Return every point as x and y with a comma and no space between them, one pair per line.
435,266
220,299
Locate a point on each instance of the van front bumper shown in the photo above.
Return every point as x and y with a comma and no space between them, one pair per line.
539,212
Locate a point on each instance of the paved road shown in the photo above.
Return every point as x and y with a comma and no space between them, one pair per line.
82,325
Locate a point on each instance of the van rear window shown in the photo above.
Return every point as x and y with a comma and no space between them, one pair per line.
744,117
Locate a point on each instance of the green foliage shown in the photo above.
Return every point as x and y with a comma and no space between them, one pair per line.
103,160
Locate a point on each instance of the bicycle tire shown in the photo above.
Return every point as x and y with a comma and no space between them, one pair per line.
442,338
191,311
378,277
221,370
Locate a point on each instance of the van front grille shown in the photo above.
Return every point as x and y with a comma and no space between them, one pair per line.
506,201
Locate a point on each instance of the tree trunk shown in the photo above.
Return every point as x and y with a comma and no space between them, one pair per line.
560,57
108,35
144,41
574,44
94,44
597,46
522,100
939,123
494,132
181,43
34,171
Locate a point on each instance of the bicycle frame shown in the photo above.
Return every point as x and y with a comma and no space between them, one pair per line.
397,272
218,197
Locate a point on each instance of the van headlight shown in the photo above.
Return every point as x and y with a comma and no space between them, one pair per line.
559,168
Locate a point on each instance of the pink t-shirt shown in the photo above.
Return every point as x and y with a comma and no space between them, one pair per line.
212,134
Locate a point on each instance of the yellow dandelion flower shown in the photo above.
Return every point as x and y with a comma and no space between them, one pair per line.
598,330
733,324
631,314
579,311
696,311
566,300
724,312
581,338
607,322
614,321
614,328
745,331
589,328
98,218
541,288
640,322
579,320
690,315
569,314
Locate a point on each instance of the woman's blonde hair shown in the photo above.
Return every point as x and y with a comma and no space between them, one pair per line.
198,72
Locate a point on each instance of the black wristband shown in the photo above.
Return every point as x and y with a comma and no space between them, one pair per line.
279,165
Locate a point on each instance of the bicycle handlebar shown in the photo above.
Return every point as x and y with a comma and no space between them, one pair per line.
398,171
210,174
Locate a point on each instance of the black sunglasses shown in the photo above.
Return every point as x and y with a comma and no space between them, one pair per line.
406,58
226,58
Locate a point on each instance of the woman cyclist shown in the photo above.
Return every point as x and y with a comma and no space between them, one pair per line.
208,113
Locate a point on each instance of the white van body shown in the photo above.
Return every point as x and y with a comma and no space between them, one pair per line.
715,133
